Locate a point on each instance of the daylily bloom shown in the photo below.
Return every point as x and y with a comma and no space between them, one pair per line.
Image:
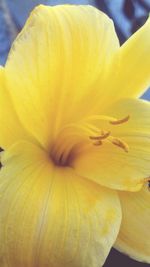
76,141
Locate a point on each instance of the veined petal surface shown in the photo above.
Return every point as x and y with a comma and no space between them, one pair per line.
109,164
11,129
51,217
129,74
54,63
134,236
134,63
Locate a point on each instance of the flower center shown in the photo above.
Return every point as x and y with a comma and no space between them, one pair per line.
76,136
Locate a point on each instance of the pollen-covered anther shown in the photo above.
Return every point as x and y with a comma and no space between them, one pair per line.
105,135
98,143
120,121
102,136
118,142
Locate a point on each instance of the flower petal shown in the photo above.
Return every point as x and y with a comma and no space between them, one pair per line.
55,60
11,128
134,236
111,166
135,62
131,75
51,217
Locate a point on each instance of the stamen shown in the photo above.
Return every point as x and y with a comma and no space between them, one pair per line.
74,136
97,143
116,122
103,136
120,143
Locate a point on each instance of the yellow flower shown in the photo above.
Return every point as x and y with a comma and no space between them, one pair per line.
75,140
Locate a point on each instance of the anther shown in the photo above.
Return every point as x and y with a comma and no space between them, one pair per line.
97,143
116,122
121,144
103,136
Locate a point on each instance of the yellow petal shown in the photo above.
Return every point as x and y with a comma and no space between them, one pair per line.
128,75
51,217
134,236
132,77
10,127
54,63
109,164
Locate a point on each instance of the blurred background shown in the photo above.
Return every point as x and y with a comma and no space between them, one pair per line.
128,16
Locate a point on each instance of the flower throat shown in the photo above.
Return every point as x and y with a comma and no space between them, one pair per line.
75,137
